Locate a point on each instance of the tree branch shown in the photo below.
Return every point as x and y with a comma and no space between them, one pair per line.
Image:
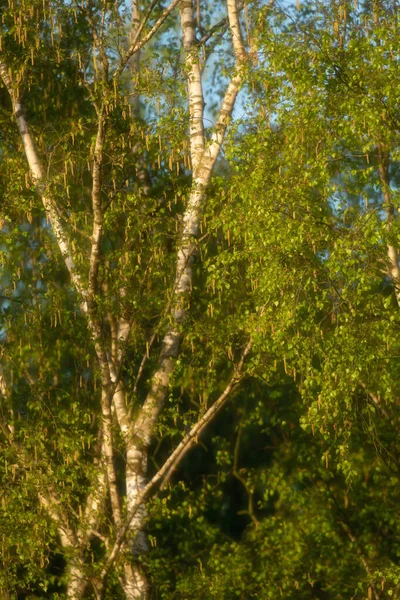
170,348
222,24
136,45
38,177
375,399
203,161
353,540
233,88
234,25
242,480
175,458
209,415
98,216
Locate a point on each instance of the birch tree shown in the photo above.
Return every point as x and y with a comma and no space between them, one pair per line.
115,197
158,250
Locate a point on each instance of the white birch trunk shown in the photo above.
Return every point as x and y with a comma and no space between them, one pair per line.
203,160
77,582
134,581
135,585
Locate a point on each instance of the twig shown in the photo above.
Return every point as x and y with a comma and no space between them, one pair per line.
146,356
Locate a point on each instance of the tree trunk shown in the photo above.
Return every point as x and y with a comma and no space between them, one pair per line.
135,583
77,581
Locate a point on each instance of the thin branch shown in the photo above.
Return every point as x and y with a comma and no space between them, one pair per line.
375,399
218,404
363,560
157,329
136,45
142,365
98,39
222,24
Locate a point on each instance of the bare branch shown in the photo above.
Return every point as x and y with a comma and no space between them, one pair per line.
209,415
222,24
136,45
376,400
236,473
142,365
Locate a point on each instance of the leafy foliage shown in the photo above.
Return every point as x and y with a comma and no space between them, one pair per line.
292,491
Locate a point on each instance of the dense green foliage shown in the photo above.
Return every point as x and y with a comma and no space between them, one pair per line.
293,489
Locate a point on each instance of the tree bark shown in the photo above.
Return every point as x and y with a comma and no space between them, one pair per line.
203,159
77,581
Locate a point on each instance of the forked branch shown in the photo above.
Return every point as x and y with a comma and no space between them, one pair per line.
203,160
176,457
138,43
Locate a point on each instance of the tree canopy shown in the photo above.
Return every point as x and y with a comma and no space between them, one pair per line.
199,299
